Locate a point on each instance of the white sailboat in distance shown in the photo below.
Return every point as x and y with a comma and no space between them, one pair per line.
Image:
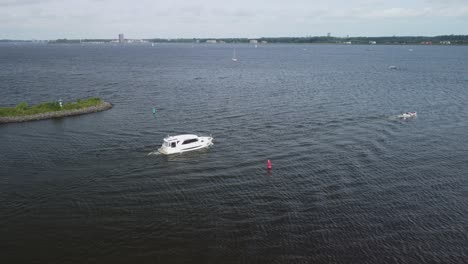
234,55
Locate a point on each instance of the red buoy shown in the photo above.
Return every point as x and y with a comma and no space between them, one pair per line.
269,165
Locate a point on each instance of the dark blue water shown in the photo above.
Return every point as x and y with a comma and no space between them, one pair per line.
350,183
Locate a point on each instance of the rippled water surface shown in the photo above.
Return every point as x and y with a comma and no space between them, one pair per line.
350,183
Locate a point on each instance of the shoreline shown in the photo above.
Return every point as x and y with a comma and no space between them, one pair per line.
56,114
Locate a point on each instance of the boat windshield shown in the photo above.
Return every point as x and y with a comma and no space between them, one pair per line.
188,141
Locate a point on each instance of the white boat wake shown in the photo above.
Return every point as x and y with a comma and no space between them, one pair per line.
404,116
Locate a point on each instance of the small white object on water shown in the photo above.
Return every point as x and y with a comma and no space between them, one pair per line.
408,115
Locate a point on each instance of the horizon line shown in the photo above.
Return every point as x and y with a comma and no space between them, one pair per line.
187,38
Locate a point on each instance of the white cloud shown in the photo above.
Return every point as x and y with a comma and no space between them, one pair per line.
417,12
241,18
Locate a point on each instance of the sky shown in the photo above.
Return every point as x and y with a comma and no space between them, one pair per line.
75,19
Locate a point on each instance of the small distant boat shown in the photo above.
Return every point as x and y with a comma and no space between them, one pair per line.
408,115
184,143
234,58
393,67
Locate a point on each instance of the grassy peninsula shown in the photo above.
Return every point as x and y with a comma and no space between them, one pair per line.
23,112
23,108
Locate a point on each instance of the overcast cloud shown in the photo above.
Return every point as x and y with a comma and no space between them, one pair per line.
52,19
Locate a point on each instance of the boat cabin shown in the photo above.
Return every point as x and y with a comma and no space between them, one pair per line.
173,142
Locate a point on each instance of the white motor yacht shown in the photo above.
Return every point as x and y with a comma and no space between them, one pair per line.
184,143
408,115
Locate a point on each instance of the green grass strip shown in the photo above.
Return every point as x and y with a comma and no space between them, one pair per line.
22,109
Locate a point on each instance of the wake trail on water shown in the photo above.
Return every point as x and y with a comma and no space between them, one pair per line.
393,117
153,153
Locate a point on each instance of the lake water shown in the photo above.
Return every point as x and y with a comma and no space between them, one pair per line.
350,182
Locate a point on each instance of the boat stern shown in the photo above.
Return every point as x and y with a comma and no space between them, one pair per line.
163,150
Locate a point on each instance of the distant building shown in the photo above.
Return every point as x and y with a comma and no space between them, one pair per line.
426,43
253,41
348,42
264,42
445,42
211,41
121,38
135,41
372,42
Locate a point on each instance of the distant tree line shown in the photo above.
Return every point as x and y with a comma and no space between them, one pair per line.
71,41
398,40
454,39
401,40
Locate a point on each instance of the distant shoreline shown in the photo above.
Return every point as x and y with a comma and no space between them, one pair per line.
381,40
56,114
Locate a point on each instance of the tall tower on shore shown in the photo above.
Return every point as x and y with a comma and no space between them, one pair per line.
121,38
